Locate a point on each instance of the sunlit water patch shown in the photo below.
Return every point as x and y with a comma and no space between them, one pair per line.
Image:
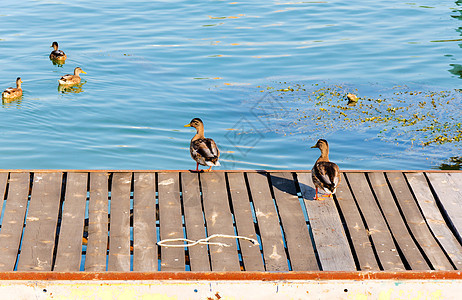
152,66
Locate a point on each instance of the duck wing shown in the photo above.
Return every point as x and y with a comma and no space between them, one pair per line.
213,147
9,90
206,148
57,53
67,77
328,174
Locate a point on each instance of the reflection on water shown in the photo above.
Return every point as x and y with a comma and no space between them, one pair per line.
456,70
75,89
58,63
11,102
453,163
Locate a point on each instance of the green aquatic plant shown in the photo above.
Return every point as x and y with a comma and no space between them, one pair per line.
401,115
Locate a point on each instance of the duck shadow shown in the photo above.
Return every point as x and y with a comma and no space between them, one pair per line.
291,186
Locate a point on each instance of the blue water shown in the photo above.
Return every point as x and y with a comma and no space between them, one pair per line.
152,66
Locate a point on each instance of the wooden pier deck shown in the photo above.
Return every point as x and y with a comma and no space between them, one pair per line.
97,221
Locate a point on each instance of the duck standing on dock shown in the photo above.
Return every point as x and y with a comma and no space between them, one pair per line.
203,150
57,55
13,93
325,174
72,79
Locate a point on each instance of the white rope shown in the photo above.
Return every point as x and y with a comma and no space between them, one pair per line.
204,241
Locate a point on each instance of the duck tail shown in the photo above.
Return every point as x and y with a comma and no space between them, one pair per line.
213,162
331,188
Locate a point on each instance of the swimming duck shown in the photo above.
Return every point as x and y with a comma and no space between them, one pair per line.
325,174
72,79
11,93
203,150
56,54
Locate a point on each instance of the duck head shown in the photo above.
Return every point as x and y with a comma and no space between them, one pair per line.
78,70
321,144
196,123
199,125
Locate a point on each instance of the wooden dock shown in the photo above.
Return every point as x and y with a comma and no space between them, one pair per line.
97,221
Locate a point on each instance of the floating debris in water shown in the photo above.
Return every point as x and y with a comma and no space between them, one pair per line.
399,114
352,99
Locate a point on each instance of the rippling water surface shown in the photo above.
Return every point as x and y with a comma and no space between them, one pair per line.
152,66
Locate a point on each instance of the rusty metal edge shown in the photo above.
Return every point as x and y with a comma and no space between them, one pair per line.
217,171
234,276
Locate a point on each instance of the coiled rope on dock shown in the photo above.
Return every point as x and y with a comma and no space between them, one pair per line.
204,241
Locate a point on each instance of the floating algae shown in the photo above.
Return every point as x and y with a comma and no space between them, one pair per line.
399,114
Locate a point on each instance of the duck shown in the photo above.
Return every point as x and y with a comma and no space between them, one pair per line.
56,54
11,93
72,79
203,150
325,174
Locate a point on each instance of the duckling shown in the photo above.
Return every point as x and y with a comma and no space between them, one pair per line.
203,150
72,79
325,174
56,54
12,93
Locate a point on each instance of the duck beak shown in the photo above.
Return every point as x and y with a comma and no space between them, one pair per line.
84,72
187,125
315,146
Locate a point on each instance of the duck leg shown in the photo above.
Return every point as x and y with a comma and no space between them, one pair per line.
209,169
316,196
196,170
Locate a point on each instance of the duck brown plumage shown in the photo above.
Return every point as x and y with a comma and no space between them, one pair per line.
203,150
325,174
56,54
72,79
12,93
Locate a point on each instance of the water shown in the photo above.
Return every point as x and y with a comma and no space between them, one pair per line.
152,66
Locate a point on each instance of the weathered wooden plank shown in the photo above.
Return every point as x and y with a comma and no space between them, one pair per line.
119,235
396,224
357,231
13,219
375,223
3,181
301,252
171,225
434,218
69,253
144,223
267,219
194,221
40,232
219,221
95,258
331,243
449,191
251,254
417,223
